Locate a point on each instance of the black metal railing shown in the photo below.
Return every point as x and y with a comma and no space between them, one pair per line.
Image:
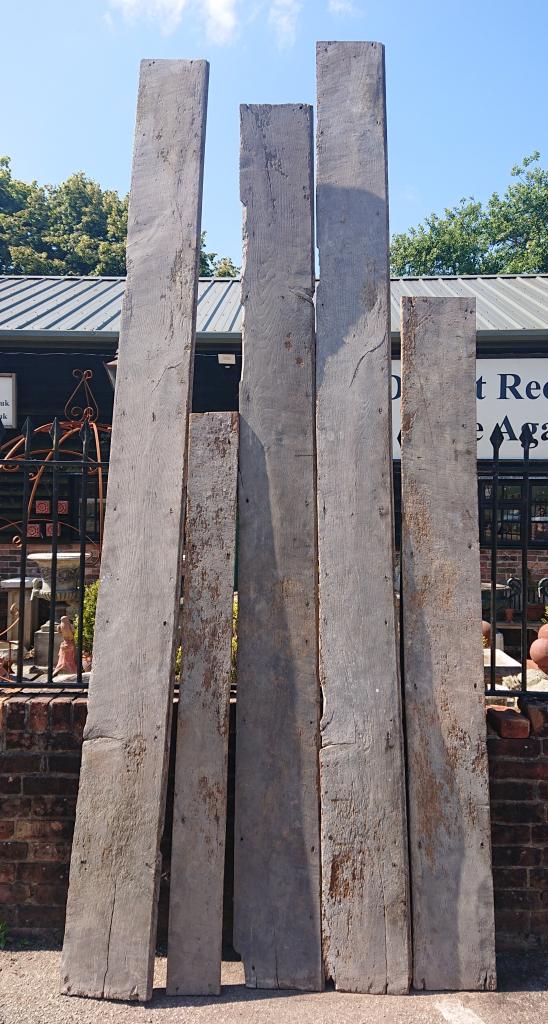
517,593
56,459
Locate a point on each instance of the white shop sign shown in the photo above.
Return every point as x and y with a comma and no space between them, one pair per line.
510,392
8,411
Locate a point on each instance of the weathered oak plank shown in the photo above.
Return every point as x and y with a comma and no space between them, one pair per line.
364,840
199,812
453,930
112,906
277,863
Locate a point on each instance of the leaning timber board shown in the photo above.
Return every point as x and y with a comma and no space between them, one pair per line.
364,838
277,861
453,930
115,867
199,812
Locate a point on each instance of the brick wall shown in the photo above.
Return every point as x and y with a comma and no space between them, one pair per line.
40,753
40,742
519,814
509,564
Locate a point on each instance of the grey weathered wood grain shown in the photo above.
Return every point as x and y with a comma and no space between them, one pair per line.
112,905
277,863
453,930
364,841
199,812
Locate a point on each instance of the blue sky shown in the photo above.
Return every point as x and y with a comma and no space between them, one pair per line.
467,87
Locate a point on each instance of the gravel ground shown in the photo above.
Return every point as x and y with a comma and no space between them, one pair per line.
29,981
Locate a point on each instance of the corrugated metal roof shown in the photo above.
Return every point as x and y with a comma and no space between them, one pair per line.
84,305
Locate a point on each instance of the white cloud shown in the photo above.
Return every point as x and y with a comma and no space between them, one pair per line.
342,7
283,16
167,13
221,20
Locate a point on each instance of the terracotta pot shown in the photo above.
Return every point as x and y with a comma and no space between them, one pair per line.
539,653
508,614
486,628
543,631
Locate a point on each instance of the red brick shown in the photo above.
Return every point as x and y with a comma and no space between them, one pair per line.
10,784
37,828
510,878
524,856
538,878
42,851
536,713
502,769
543,790
50,785
13,851
14,894
518,899
53,807
514,748
508,723
15,713
63,741
7,872
539,834
41,917
10,915
26,740
510,835
514,812
38,714
79,715
41,873
516,921
13,763
14,807
60,714
508,790
68,764
7,828
49,895
539,923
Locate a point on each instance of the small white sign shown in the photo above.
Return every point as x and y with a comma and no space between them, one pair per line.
227,358
8,409
510,393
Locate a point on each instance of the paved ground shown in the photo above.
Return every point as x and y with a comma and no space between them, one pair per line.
29,978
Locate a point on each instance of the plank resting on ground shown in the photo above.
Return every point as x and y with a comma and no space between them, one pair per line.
364,832
277,857
110,933
199,812
453,927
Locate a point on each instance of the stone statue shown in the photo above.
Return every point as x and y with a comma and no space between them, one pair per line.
67,659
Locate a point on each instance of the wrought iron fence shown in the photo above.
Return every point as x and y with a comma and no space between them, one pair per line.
60,470
510,519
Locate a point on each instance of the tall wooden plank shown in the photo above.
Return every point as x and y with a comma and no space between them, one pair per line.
277,864
111,915
364,841
453,930
199,813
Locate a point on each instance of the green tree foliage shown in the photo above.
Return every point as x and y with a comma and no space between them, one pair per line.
506,235
74,228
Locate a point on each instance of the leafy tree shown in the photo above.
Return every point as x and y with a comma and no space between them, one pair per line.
507,235
74,228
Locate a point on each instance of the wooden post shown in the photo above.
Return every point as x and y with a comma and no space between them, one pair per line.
453,929
199,813
364,837
277,862
110,931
